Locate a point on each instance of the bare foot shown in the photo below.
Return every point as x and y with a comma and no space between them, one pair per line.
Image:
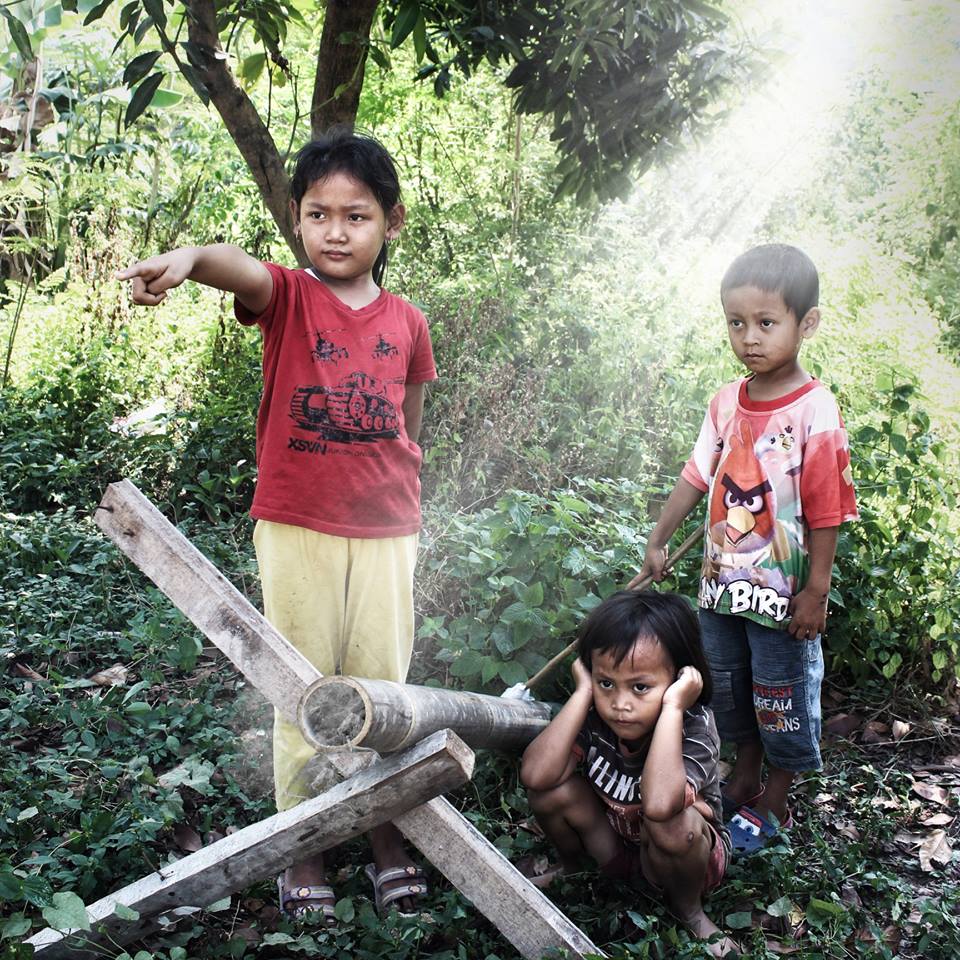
703,928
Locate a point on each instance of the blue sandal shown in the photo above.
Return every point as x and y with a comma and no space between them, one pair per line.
751,831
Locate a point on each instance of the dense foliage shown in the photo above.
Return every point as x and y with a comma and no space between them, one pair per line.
577,350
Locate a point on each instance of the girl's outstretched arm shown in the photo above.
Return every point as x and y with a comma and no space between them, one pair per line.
549,760
220,265
663,787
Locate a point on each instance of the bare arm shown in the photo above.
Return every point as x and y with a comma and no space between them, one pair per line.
221,265
663,787
808,608
413,409
683,498
548,761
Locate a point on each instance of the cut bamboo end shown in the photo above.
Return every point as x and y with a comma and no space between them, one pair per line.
336,717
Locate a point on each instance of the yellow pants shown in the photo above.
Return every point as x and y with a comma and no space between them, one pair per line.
346,604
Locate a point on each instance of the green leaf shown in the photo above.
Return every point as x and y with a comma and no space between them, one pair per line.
18,34
420,37
138,103
124,912
163,99
820,912
16,925
406,20
251,67
512,672
739,921
139,67
27,814
780,907
218,905
344,910
97,12
156,11
533,595
379,57
66,912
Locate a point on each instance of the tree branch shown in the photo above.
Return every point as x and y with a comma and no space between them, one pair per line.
241,119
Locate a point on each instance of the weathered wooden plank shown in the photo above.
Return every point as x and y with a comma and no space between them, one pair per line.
276,668
528,920
387,716
369,797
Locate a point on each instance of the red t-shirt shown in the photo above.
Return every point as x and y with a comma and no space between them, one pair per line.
333,453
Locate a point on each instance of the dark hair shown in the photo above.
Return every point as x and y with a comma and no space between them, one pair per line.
359,156
616,624
776,268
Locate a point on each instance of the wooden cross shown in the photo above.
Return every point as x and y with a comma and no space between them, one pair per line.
396,789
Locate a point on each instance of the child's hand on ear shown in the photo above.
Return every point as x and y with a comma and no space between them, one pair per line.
582,676
685,690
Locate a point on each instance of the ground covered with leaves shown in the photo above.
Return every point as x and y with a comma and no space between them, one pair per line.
130,743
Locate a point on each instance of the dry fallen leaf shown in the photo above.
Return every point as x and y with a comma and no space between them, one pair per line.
937,820
900,729
891,937
876,732
848,893
849,830
935,849
929,792
842,724
114,676
22,670
824,800
909,839
952,761
187,838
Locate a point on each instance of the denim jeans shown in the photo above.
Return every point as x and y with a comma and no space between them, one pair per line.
766,685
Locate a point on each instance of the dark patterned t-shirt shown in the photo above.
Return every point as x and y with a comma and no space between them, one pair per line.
615,776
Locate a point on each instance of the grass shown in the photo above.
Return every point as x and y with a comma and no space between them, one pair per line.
89,808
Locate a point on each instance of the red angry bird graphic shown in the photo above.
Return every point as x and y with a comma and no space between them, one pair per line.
743,507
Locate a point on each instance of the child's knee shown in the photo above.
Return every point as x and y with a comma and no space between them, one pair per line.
680,836
557,799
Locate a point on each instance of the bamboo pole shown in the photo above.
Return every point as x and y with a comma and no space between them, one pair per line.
386,716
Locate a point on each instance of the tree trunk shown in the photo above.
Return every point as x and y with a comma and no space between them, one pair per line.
340,62
386,716
241,119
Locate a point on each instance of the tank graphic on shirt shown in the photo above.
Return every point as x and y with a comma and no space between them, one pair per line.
356,410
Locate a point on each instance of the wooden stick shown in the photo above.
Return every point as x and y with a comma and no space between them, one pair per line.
554,662
282,675
205,596
370,797
386,716
520,911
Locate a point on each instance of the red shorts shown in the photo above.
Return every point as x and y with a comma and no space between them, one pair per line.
628,865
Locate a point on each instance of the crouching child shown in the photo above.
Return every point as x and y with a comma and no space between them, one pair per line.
626,773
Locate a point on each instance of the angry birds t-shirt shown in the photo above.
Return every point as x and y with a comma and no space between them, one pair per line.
772,470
